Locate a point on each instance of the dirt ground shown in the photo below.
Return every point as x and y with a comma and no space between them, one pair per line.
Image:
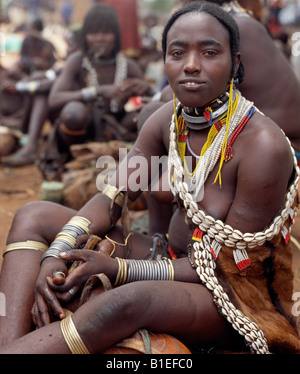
17,187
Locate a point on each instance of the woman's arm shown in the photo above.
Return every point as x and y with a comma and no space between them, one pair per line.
63,90
136,170
264,171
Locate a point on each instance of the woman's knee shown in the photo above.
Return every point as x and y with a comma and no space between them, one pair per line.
38,220
126,303
131,300
75,115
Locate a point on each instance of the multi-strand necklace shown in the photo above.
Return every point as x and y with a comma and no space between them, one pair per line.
210,234
204,248
202,118
217,145
120,75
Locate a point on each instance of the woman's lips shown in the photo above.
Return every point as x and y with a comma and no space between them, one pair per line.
191,84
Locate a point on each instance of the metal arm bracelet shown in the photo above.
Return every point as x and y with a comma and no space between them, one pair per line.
66,239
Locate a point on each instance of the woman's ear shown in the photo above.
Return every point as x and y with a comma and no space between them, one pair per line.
237,63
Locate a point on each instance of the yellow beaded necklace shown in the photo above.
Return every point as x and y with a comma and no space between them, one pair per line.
182,133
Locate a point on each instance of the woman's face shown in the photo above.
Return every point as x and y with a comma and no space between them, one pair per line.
198,59
101,43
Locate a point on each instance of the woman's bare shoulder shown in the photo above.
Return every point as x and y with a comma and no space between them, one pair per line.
265,134
265,152
156,127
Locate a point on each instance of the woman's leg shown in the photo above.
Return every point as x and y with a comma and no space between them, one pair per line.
75,118
27,154
184,310
40,222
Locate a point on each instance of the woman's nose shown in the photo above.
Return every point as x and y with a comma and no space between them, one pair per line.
99,36
192,63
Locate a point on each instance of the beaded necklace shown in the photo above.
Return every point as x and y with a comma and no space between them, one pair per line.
211,234
216,145
182,138
120,75
201,118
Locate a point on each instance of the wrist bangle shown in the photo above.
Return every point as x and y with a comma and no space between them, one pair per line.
122,272
22,87
138,270
27,87
171,269
50,74
71,336
33,86
113,193
89,93
66,239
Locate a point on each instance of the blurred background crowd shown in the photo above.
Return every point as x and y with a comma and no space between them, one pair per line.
141,22
40,34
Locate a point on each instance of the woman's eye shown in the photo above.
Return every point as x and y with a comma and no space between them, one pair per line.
177,53
210,53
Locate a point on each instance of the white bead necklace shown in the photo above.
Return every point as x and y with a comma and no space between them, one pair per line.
216,233
208,161
120,75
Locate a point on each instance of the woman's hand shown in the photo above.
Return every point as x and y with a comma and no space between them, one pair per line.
9,85
112,91
45,298
135,87
92,262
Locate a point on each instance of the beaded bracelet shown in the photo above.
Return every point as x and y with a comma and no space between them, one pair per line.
66,239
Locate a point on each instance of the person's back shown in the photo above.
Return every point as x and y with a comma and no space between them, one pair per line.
270,82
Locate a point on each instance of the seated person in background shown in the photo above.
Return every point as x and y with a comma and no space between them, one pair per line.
23,93
95,84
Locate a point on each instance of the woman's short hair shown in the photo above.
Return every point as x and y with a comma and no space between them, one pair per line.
101,17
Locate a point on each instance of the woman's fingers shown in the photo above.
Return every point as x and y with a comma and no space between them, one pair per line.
40,310
75,255
59,277
68,295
